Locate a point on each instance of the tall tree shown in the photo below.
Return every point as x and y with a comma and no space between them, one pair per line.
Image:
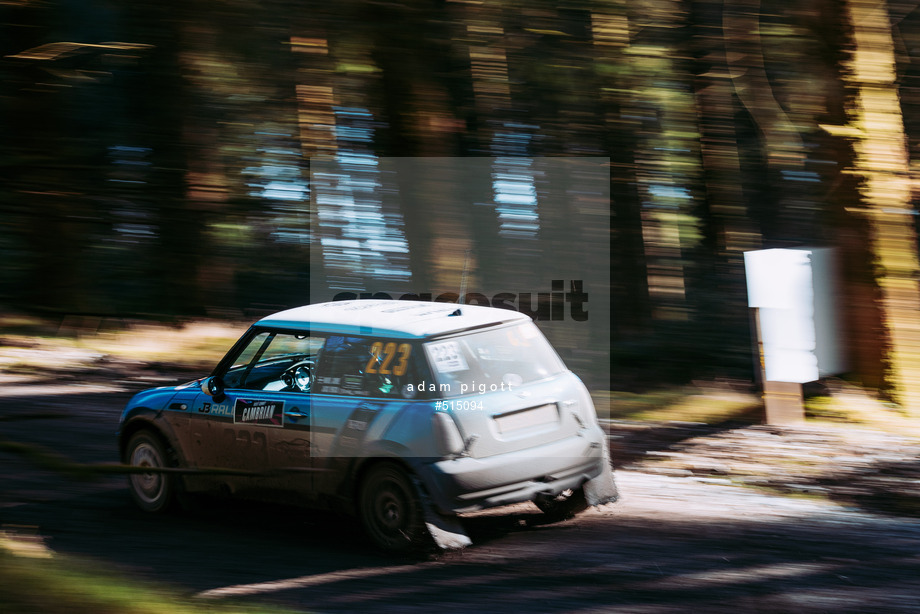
611,33
881,160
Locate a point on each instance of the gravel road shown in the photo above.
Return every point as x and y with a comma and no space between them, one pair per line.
711,519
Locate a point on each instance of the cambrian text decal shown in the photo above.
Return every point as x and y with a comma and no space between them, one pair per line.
258,411
549,305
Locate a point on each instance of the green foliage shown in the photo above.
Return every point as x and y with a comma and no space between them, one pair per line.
829,409
61,584
686,405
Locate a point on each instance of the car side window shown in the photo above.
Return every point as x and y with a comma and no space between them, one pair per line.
357,366
277,361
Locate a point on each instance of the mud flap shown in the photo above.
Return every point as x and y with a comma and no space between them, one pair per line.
602,488
444,530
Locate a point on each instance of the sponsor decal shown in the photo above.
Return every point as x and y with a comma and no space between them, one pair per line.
259,411
356,425
216,409
355,430
447,356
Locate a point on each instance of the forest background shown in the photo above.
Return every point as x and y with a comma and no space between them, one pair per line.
156,160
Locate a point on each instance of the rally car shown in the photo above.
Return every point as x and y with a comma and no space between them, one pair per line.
405,414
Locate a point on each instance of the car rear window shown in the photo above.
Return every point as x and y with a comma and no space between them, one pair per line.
356,366
491,360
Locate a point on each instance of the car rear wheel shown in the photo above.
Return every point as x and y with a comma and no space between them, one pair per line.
563,506
153,492
390,509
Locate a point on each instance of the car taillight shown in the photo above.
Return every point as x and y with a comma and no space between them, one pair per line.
582,408
446,434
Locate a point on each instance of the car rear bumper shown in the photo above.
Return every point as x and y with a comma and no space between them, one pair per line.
469,484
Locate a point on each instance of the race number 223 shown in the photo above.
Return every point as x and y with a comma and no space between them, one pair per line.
383,355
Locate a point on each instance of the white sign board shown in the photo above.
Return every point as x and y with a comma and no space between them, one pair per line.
793,289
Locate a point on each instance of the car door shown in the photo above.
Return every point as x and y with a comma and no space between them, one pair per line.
358,381
256,435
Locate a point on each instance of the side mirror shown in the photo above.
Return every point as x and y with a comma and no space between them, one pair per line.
213,387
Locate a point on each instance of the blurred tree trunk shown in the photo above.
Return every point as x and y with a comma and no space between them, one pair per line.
482,29
179,224
400,68
744,53
858,301
881,160
429,95
628,273
727,227
159,105
729,230
315,93
54,173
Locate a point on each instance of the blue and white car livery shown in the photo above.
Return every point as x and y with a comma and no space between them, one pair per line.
403,413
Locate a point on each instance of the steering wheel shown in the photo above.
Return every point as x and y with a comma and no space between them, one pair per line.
300,376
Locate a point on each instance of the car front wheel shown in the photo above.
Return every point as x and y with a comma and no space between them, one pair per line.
153,492
390,509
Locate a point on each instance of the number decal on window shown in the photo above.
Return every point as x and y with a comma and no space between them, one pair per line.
447,356
384,355
389,353
404,350
376,348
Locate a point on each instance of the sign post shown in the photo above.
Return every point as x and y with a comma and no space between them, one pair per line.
791,293
783,402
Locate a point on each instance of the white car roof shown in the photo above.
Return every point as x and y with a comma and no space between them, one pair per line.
390,318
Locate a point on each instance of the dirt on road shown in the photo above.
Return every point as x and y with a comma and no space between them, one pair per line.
712,519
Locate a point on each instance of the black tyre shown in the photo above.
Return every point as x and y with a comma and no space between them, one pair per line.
564,506
390,509
153,492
